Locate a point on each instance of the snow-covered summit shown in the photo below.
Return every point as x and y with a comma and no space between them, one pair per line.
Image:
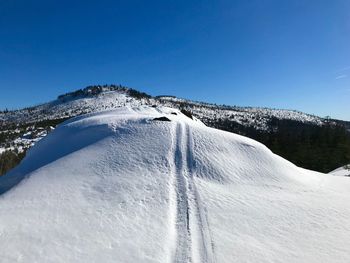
14,124
99,98
124,186
69,105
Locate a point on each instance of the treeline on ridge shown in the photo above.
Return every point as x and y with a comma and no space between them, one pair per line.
97,89
11,158
320,148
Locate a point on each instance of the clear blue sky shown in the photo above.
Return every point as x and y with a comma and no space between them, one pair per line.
283,54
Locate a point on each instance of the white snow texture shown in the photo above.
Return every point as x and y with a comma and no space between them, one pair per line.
342,171
117,186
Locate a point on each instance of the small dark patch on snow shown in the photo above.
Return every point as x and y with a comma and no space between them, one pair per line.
161,119
174,113
187,113
154,106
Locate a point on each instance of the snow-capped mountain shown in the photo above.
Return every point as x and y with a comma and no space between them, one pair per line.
123,186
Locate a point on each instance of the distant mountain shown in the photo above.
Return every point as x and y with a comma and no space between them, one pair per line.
151,184
97,98
307,140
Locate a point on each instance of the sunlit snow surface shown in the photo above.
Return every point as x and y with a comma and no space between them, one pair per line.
117,186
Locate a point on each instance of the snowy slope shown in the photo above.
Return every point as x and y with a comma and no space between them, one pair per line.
111,99
117,186
58,108
17,122
342,171
256,117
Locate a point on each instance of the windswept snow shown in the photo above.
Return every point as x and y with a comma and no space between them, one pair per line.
117,186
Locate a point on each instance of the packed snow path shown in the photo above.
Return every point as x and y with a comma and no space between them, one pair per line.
119,186
192,236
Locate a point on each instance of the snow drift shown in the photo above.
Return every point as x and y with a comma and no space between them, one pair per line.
119,186
341,171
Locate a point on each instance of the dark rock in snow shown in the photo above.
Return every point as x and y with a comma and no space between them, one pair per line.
161,119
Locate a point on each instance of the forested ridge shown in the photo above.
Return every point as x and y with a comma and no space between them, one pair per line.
320,148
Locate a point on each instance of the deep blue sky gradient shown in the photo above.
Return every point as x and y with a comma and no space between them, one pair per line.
282,54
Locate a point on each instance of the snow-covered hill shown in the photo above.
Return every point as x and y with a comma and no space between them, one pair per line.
16,124
116,96
119,186
342,171
66,106
256,117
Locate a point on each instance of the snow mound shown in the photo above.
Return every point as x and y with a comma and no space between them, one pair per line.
342,171
117,186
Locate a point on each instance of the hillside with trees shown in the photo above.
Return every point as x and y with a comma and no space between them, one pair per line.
320,148
309,141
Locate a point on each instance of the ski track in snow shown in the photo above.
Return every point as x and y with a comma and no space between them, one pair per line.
191,234
118,186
